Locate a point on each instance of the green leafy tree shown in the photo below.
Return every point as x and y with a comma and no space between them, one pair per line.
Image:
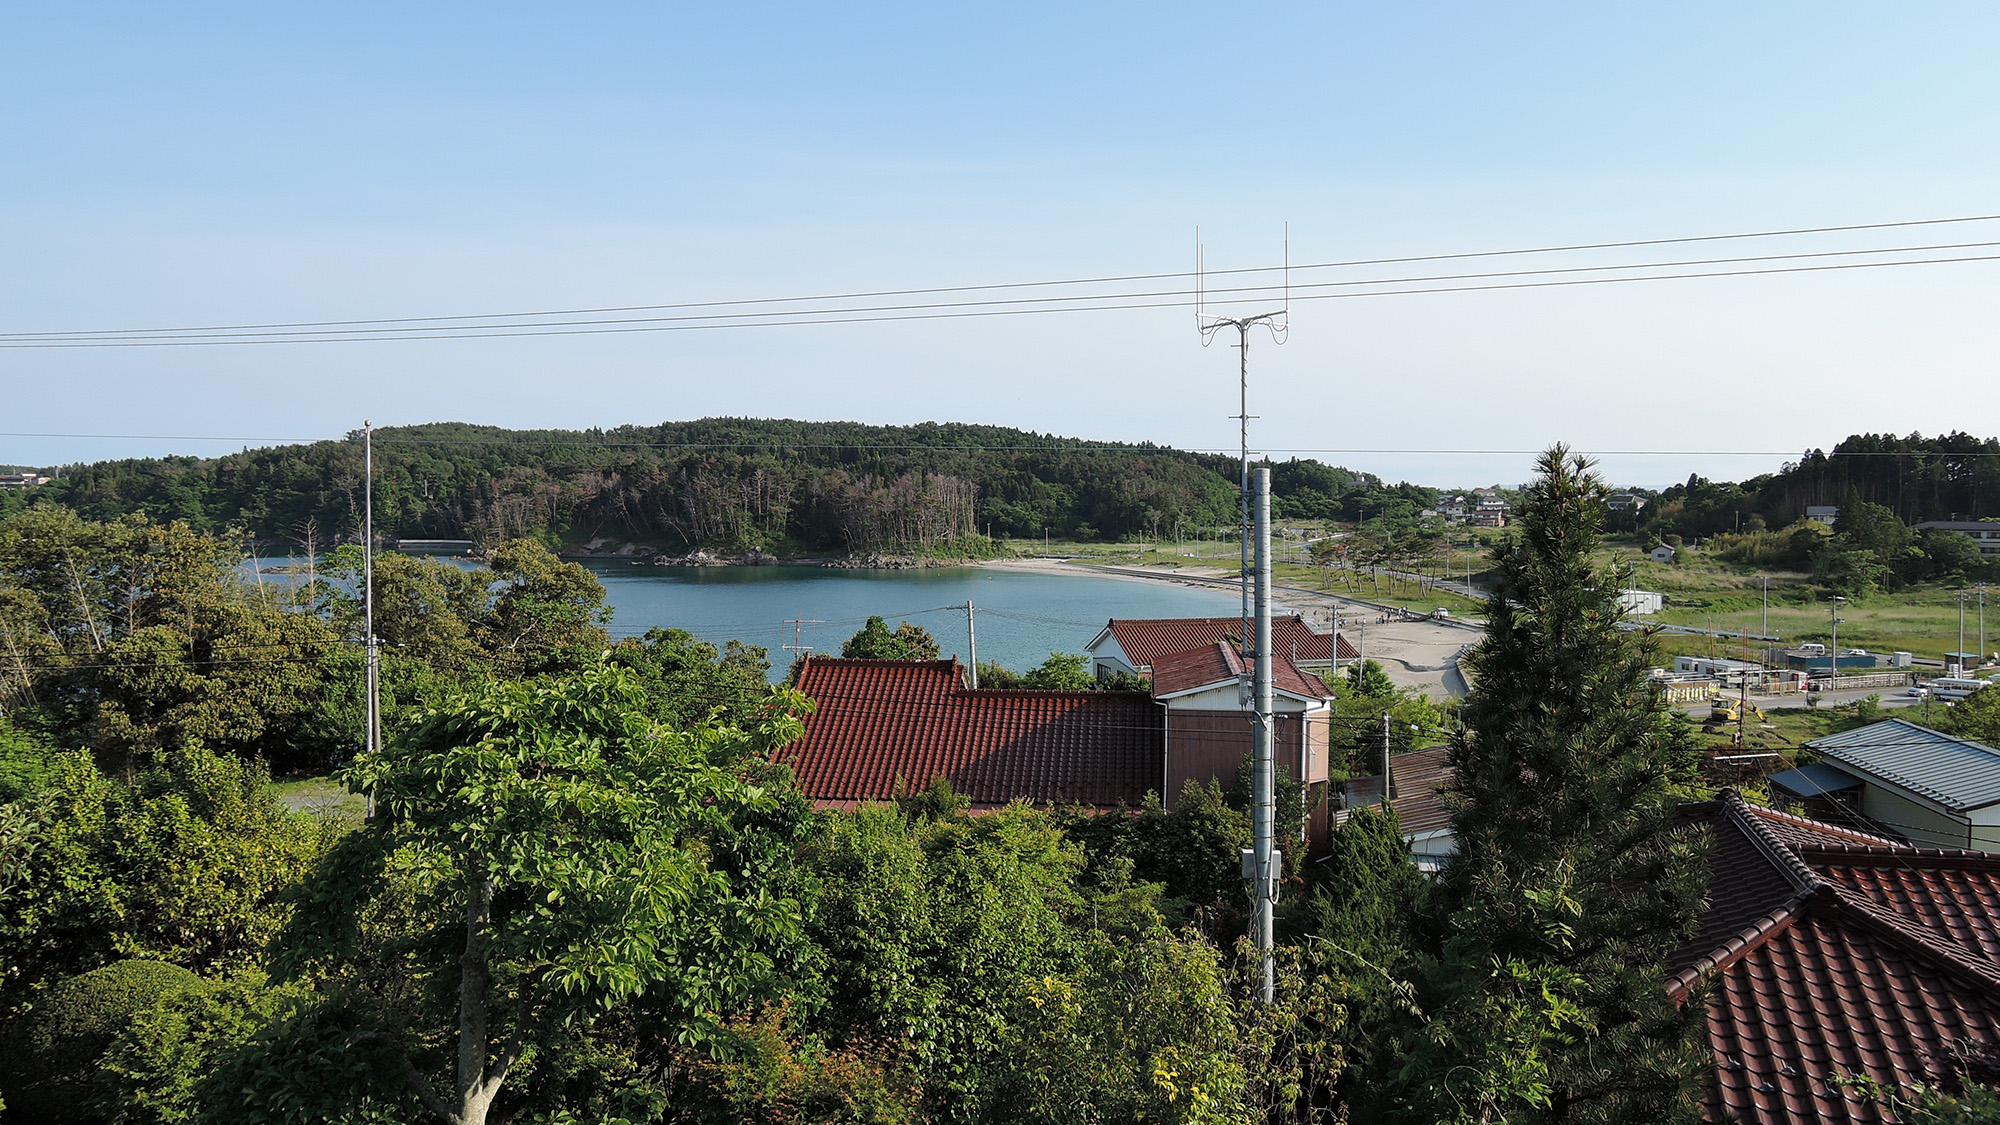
565,843
548,614
686,678
874,641
1570,886
1062,671
1366,677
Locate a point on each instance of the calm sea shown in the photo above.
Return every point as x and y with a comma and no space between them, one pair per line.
1020,616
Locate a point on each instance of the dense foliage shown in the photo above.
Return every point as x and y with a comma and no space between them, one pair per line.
725,483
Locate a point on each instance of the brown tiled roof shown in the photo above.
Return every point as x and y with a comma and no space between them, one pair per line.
1146,640
1216,663
1834,954
1422,777
885,724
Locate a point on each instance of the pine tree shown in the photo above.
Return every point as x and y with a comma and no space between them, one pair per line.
1546,996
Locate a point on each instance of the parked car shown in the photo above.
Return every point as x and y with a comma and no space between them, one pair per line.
1918,692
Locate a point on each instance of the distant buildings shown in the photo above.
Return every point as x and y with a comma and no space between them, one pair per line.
1662,554
1481,508
1625,502
1641,602
16,482
1984,534
1823,513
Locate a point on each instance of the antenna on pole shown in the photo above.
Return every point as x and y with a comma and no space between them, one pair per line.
1279,321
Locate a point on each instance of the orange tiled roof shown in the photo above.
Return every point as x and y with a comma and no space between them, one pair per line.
885,723
1146,640
1219,662
1833,954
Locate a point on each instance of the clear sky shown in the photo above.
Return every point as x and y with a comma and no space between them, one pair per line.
203,164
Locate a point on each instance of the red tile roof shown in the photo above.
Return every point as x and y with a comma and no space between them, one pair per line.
1146,640
1835,954
882,724
1216,663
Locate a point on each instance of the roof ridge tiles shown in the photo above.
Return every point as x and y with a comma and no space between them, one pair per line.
1899,855
1766,813
1802,877
1739,944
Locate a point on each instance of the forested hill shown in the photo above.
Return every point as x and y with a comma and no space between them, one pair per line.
720,483
1951,477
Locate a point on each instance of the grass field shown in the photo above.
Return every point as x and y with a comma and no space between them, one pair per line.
321,796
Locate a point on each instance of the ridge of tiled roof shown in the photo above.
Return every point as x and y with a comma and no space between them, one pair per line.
1832,953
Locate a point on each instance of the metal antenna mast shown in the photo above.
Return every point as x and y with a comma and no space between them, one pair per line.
1279,322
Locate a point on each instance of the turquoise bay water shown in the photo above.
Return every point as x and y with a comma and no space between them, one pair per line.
1021,616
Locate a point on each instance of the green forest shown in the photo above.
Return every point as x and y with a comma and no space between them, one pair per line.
728,484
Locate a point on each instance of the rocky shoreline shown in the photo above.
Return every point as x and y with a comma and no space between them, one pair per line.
757,557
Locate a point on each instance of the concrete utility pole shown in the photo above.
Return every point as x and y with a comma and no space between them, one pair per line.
1385,760
972,642
373,716
1833,650
1264,861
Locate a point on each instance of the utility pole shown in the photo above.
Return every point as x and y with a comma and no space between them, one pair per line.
373,708
1385,761
1833,668
1962,595
1982,625
972,643
1765,629
1264,862
798,625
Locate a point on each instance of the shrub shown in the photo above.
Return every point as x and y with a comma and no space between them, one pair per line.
57,1047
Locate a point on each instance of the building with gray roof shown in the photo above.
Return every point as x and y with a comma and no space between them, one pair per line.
1930,788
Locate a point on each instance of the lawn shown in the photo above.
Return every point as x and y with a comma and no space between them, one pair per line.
320,796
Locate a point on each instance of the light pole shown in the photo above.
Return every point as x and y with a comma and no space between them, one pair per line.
1833,668
1766,580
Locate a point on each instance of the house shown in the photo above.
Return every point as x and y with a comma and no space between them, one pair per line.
1899,779
1488,510
16,482
1830,955
1641,601
1823,513
1454,509
887,727
1662,554
1625,502
1418,782
1132,645
1985,533
883,728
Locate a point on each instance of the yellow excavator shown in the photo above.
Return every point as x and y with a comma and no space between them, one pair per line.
1725,709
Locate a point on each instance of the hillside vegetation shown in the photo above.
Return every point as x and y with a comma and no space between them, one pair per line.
719,483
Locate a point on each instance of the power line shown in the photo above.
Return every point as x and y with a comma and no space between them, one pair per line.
989,287
436,328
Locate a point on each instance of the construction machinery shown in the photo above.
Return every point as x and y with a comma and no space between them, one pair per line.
1723,709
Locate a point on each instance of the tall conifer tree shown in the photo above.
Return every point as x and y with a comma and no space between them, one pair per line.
1546,1000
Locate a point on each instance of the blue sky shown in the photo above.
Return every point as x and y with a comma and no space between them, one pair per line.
202,164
